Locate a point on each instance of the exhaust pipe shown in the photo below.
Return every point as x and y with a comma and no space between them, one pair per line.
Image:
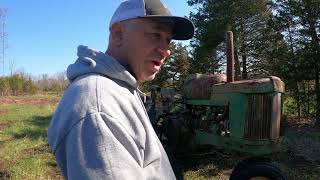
230,57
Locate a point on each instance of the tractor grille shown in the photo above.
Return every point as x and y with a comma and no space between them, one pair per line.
258,116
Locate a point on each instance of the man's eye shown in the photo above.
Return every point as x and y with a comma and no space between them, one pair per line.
154,36
157,37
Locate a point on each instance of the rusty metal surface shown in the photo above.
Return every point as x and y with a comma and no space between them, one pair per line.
276,116
199,86
258,116
263,85
278,85
263,116
230,57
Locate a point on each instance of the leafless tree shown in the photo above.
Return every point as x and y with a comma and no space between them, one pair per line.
12,67
3,36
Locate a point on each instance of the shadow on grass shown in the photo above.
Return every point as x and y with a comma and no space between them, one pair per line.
55,172
205,163
4,172
35,128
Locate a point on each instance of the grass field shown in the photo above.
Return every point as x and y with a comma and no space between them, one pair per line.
24,151
25,154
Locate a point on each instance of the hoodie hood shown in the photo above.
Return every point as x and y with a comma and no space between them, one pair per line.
92,61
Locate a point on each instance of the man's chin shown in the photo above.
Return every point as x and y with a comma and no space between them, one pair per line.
148,78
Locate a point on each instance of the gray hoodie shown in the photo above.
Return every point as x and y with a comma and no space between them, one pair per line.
100,129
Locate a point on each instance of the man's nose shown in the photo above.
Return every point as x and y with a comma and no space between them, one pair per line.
164,51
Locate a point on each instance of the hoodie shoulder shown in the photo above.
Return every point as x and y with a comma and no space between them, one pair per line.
80,99
92,61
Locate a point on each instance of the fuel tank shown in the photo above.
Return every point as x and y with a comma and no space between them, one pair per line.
199,86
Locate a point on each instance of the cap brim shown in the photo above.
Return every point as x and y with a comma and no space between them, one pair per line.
183,28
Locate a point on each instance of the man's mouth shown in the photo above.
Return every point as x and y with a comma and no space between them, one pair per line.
157,63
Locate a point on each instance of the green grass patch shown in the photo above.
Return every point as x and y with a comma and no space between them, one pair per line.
23,138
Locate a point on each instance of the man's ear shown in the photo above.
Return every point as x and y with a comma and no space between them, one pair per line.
116,32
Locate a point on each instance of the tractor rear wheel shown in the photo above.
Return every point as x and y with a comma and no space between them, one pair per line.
251,170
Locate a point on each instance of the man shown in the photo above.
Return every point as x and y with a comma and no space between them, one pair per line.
100,129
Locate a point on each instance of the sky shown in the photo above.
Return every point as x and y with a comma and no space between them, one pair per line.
43,35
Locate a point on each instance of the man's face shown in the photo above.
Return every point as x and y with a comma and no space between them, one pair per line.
146,43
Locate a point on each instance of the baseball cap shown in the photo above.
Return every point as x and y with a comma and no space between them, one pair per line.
183,28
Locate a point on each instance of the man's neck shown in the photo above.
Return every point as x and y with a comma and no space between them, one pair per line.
121,61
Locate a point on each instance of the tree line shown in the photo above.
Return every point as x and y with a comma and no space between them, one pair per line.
22,84
272,37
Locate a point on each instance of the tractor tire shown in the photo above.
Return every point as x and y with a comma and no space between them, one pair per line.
173,132
257,170
180,139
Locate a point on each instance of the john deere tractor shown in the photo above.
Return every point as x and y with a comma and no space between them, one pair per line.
243,115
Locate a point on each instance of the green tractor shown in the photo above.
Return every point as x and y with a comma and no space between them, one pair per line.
240,115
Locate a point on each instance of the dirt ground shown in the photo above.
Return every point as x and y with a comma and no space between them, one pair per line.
4,174
299,156
304,124
30,101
